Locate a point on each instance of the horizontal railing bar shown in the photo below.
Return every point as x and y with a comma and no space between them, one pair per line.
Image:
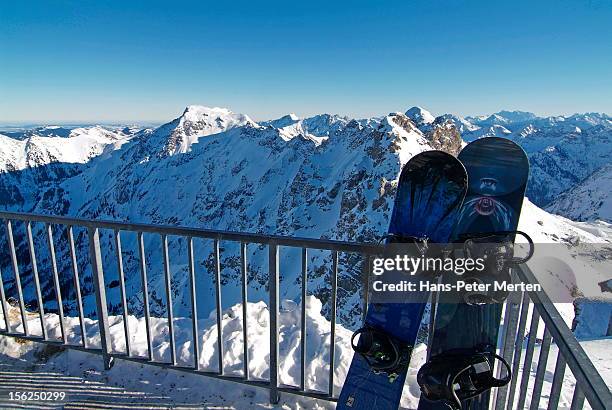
236,379
58,343
143,360
322,244
593,386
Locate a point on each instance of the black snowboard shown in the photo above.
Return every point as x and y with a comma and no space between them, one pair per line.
497,172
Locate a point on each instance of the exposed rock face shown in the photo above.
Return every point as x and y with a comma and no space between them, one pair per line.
444,136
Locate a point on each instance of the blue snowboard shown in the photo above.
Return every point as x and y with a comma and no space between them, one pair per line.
497,170
430,192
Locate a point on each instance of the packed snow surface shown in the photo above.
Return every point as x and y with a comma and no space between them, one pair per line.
176,388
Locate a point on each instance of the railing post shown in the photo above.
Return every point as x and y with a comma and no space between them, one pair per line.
98,281
274,302
303,321
509,334
366,286
3,304
11,242
332,335
219,306
56,283
245,290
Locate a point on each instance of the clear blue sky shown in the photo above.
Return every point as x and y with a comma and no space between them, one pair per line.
147,60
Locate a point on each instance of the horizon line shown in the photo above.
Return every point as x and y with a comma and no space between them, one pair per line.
37,122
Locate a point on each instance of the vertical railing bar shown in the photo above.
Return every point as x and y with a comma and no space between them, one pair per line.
100,291
577,398
518,349
218,304
533,334
432,321
332,336
541,370
245,299
366,287
145,293
5,311
41,304
58,293
557,383
510,324
169,297
273,285
11,243
194,304
303,321
126,323
77,285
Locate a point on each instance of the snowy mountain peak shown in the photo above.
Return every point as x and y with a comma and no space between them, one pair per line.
283,121
197,121
420,115
213,116
516,115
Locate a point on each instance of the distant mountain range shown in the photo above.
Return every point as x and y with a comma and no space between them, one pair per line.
563,150
323,176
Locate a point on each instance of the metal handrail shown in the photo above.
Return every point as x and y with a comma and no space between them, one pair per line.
299,242
273,242
589,383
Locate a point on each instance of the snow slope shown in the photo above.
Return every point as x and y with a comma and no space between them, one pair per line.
175,388
34,161
595,200
323,176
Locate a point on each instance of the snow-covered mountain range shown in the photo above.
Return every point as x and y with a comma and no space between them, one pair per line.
323,176
563,150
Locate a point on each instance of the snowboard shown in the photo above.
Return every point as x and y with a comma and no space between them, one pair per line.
497,172
430,191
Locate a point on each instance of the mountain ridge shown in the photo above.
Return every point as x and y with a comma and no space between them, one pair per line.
324,176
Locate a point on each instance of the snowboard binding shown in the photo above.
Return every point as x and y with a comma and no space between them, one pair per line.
382,352
421,243
458,375
497,251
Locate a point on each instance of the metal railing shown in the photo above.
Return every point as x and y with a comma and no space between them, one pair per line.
93,227
589,384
